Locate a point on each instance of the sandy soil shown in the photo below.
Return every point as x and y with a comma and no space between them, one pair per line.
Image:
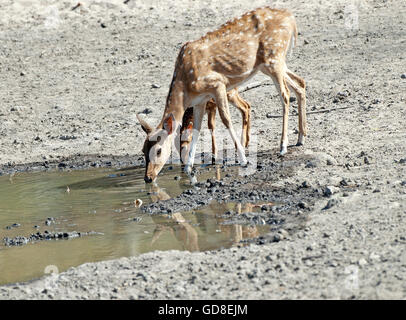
71,82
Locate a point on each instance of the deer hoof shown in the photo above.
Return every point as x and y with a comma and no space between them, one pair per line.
284,150
188,169
300,140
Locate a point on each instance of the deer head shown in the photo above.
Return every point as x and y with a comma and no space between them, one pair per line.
157,145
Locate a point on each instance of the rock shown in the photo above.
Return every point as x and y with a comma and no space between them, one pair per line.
374,257
330,190
277,237
103,25
49,221
311,164
320,158
306,41
362,262
284,233
331,203
302,205
403,76
155,86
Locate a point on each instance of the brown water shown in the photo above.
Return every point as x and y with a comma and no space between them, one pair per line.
102,200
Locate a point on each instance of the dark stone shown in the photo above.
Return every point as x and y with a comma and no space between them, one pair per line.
146,111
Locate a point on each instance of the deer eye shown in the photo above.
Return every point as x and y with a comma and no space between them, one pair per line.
159,152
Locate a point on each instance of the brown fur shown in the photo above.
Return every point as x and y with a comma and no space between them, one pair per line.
187,122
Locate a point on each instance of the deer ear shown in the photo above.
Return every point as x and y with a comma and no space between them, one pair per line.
169,124
144,125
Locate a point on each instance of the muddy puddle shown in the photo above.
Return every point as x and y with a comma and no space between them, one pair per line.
98,204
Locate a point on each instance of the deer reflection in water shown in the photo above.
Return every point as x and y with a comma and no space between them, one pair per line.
189,233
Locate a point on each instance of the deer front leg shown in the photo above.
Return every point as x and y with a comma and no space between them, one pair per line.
211,112
284,94
222,103
198,113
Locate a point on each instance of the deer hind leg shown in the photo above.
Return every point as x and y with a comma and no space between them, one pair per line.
222,104
211,123
299,87
245,109
278,75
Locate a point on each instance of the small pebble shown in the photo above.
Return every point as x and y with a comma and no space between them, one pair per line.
146,111
302,205
362,262
331,203
330,190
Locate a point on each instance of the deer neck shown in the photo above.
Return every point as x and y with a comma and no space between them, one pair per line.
174,102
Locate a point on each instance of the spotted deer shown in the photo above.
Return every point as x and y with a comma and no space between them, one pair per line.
186,130
216,63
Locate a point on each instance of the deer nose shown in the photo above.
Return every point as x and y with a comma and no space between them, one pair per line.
148,179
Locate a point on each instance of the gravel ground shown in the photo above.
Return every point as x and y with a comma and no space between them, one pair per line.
73,80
